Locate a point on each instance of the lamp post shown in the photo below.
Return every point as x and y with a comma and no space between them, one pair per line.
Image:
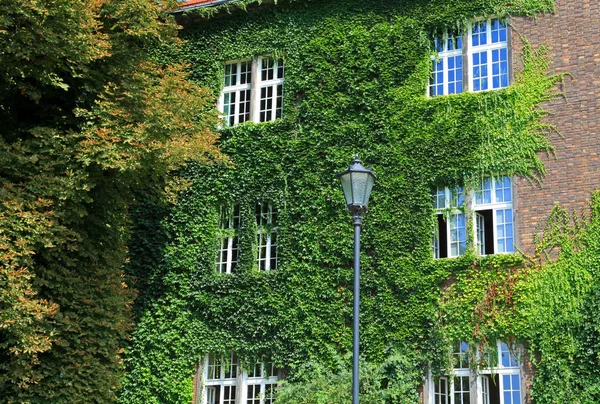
357,182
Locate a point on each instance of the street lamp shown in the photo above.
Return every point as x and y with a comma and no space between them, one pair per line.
357,182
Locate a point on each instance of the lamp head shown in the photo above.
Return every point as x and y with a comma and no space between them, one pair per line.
357,182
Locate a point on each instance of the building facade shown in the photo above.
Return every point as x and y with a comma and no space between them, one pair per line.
444,104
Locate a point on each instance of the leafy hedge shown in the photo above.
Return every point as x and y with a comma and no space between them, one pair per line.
355,82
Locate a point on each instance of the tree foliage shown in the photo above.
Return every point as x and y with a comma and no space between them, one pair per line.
86,115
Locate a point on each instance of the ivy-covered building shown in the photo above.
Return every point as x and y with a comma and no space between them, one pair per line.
247,278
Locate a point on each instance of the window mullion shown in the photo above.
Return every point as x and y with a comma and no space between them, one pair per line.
268,252
254,91
229,257
274,97
236,115
469,56
446,70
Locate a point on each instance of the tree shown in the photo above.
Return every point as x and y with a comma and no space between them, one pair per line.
86,116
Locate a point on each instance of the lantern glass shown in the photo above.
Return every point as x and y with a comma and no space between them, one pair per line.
369,187
357,182
346,180
359,188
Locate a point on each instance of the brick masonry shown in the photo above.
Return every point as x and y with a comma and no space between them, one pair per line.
572,36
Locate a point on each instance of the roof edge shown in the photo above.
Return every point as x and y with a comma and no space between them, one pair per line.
213,3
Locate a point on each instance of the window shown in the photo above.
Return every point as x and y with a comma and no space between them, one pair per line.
271,89
485,59
221,379
252,91
492,210
450,237
488,55
440,395
494,233
266,237
228,236
224,379
262,383
500,384
447,77
236,92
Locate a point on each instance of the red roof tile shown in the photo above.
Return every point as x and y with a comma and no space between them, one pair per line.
189,3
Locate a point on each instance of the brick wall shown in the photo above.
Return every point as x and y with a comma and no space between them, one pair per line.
572,35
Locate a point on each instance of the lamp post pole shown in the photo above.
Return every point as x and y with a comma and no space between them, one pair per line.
357,221
357,182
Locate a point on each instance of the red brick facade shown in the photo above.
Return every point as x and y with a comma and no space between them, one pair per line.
572,36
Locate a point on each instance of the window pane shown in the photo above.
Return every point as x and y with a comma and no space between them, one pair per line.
274,248
484,194
507,359
269,394
511,389
279,103
479,34
458,235
234,253
498,31
267,69
280,69
230,74
253,394
246,73
229,395
480,72
460,354
461,390
439,198
504,231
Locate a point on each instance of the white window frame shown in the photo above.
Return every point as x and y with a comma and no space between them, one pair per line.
443,201
254,87
275,85
453,202
481,380
237,90
495,205
443,56
239,381
222,382
266,381
466,52
266,236
228,252
488,48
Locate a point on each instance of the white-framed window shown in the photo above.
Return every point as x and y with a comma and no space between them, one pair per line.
270,88
225,380
499,383
491,206
228,238
261,383
220,379
493,209
236,95
440,390
447,76
480,57
252,90
450,235
488,55
266,237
